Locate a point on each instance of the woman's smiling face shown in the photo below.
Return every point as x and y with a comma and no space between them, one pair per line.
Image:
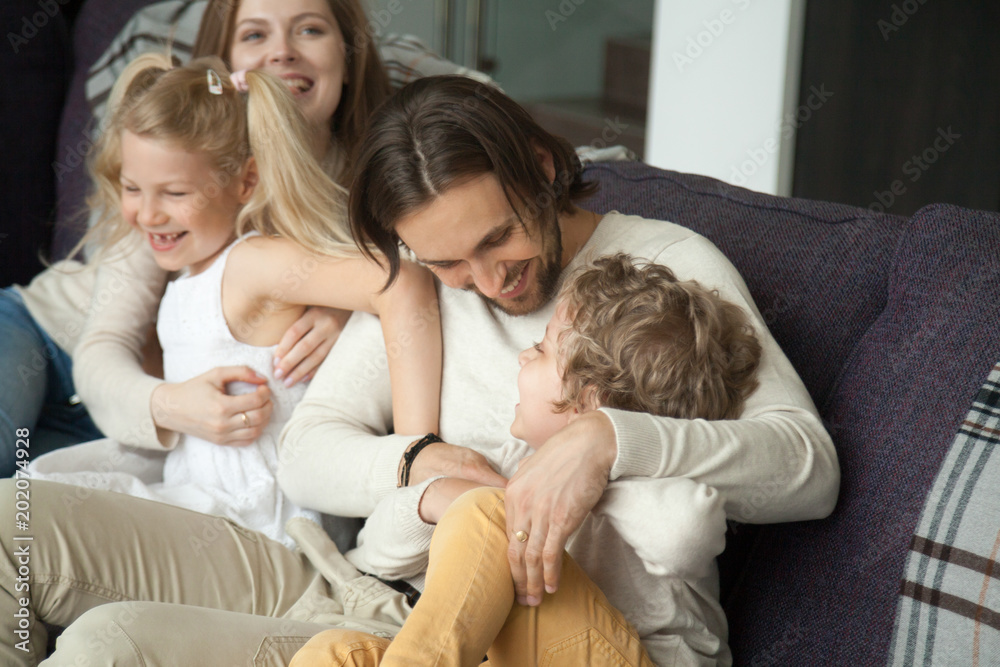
298,41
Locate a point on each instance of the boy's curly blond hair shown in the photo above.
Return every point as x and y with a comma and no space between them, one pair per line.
644,341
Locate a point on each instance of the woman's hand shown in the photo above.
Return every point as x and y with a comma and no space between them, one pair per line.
307,342
201,407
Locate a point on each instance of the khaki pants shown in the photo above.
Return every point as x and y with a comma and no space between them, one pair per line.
467,609
152,584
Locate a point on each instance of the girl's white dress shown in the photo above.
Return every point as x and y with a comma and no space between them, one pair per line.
239,483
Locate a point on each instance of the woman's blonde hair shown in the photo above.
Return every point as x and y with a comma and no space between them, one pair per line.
294,198
367,83
641,340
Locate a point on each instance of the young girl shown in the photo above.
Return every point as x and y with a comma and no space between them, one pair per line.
224,188
625,337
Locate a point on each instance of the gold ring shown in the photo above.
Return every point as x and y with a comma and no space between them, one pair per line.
246,420
521,536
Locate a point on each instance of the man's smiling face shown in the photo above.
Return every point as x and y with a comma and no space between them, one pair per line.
471,238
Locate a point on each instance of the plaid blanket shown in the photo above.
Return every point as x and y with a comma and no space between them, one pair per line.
949,606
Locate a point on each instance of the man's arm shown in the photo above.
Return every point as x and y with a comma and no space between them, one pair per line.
775,463
775,466
337,454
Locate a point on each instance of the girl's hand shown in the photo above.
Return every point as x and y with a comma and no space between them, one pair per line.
201,407
307,342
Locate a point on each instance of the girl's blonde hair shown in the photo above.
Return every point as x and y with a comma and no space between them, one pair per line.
294,198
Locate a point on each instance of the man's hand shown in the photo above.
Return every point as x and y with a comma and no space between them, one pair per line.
307,342
549,496
202,408
440,458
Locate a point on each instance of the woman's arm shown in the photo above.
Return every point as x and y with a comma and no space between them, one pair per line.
107,362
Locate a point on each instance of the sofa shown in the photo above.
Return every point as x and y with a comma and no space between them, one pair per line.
893,325
891,322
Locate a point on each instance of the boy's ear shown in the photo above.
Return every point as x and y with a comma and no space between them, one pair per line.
248,180
588,402
545,159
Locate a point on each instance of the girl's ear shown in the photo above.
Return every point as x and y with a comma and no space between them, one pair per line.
248,180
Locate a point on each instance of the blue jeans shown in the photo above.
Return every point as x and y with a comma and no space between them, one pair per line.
36,388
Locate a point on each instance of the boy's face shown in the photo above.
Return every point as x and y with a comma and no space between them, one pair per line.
539,385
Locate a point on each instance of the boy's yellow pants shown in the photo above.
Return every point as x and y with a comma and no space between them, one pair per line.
467,609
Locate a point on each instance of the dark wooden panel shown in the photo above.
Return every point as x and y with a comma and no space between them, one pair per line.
915,113
590,122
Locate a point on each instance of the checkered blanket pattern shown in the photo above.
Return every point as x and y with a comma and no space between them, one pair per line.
949,606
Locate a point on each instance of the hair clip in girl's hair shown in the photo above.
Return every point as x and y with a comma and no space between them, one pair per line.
214,83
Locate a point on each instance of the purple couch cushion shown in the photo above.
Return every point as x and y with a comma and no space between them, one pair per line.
825,592
96,25
35,68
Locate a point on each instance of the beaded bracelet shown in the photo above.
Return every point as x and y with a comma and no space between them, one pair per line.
410,454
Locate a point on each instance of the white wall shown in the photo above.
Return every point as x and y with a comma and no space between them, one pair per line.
724,90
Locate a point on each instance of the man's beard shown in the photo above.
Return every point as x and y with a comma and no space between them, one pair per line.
546,282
